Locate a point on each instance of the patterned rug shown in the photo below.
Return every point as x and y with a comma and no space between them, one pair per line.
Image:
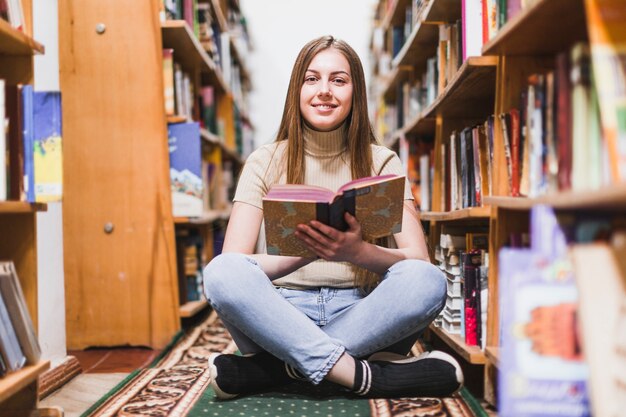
177,384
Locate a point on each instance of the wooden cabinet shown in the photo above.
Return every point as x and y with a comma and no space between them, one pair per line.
18,231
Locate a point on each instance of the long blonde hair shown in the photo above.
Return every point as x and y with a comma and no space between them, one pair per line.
360,135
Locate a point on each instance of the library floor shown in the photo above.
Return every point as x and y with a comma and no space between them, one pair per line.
102,370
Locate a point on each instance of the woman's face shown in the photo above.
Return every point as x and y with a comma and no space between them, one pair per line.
326,93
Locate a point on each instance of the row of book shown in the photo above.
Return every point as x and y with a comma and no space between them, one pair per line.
464,258
218,39
31,155
18,341
194,249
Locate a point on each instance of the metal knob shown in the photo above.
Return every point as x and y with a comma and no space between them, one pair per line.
108,228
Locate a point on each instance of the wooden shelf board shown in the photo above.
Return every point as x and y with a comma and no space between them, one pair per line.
191,308
422,42
471,354
221,18
463,214
443,11
419,126
207,217
15,42
607,198
471,93
21,207
189,52
395,16
420,45
493,355
13,382
547,27
214,140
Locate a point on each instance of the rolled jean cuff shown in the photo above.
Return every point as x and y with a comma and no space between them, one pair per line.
319,375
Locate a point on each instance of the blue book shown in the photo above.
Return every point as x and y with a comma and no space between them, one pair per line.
41,135
185,169
28,138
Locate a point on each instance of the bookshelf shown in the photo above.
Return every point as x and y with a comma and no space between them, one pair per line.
528,43
118,193
18,228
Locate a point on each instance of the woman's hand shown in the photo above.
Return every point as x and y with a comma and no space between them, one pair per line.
329,243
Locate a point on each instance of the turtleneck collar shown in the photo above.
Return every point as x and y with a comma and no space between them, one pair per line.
325,144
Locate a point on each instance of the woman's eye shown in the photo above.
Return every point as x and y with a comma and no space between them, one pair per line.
339,81
310,79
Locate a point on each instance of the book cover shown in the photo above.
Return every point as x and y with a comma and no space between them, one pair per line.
541,371
11,292
376,202
47,150
185,169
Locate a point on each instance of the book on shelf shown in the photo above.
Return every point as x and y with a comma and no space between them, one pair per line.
542,370
10,349
168,82
185,169
15,145
376,202
607,38
42,144
11,292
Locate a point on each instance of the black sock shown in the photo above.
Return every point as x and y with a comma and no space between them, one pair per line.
434,376
247,374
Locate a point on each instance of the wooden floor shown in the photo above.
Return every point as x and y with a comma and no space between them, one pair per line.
103,369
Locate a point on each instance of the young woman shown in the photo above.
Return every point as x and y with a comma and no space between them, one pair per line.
351,314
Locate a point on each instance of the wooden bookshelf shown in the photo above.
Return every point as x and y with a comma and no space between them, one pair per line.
191,308
470,93
472,354
607,198
547,27
15,42
395,16
421,43
189,52
463,214
18,220
493,354
206,218
21,207
15,383
214,140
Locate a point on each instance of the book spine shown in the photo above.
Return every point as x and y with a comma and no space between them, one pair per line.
28,138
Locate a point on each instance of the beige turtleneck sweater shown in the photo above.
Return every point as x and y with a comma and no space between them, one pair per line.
327,166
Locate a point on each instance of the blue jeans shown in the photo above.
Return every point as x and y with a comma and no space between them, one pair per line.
310,329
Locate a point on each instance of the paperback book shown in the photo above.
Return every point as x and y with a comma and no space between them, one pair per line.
376,202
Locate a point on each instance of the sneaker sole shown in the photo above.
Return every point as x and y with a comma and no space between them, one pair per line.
213,373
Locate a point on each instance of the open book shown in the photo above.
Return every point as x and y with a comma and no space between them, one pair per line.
376,202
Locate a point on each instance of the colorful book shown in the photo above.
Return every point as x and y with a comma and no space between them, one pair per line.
47,149
10,350
185,169
376,202
28,137
168,82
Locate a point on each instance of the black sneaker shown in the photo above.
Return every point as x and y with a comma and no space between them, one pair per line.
389,375
233,375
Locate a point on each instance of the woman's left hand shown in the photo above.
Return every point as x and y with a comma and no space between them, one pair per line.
331,244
